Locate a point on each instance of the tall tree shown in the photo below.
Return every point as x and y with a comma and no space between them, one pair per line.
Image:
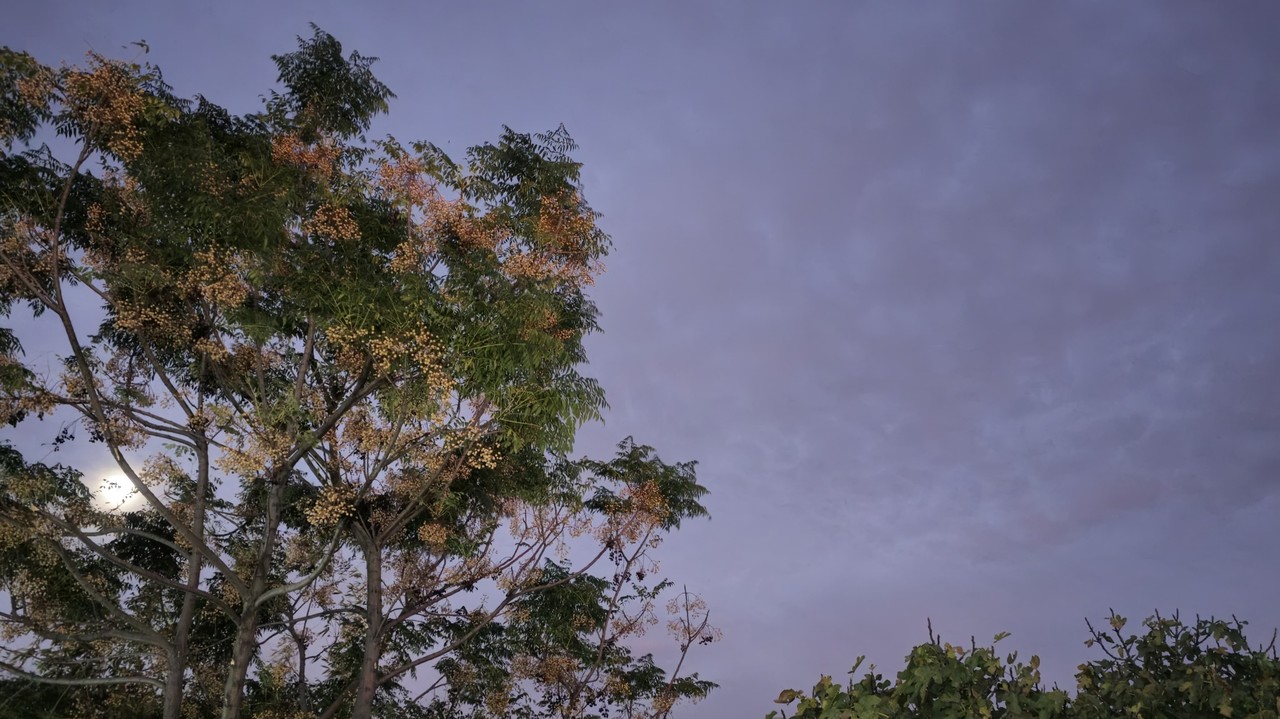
342,377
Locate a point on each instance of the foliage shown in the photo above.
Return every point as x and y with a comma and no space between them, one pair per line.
1171,671
341,377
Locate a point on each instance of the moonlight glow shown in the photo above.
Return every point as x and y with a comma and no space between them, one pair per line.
114,493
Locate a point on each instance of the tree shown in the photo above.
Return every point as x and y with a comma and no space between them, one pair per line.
1173,670
342,377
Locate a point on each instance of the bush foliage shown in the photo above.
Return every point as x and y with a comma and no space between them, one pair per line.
1172,670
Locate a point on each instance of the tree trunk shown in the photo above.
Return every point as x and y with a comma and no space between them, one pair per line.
177,671
247,633
241,656
367,683
304,703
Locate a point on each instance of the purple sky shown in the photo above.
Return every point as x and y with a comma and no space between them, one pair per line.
968,310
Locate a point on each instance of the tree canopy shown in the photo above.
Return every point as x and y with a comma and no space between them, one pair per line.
341,375
1172,670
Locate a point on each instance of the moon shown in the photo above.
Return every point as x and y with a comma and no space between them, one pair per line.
115,494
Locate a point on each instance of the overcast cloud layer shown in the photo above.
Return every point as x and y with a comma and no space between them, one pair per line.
968,310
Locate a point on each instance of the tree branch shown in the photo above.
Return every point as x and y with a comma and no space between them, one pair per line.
81,682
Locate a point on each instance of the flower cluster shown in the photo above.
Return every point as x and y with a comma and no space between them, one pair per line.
95,218
519,580
528,265
469,439
300,551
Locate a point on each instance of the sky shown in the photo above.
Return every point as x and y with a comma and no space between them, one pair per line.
968,311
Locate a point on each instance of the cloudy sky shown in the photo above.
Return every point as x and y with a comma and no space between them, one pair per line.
968,310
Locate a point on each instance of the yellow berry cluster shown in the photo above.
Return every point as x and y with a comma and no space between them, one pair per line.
335,503
403,179
455,219
616,686
217,278
36,90
557,668
647,498
497,701
318,158
11,536
95,218
433,535
563,224
334,222
211,347
149,321
120,430
412,254
256,453
24,401
105,100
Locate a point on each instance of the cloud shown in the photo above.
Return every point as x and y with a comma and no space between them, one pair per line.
967,311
